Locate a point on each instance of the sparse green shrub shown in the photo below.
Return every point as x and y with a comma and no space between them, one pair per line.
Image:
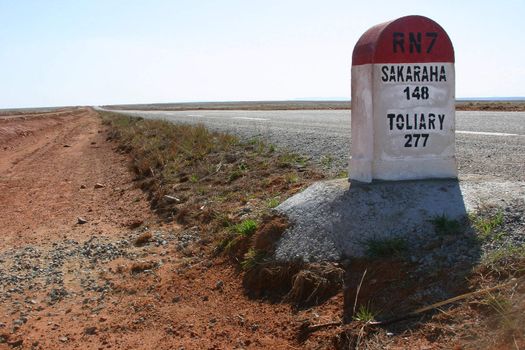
486,226
445,226
246,228
385,248
292,178
242,166
342,175
288,160
273,202
508,258
364,314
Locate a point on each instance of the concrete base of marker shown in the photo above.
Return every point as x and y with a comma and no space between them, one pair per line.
364,170
333,220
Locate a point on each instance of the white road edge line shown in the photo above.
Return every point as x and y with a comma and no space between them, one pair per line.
250,118
486,133
195,115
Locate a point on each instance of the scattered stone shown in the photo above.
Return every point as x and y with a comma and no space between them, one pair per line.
219,285
171,199
135,224
66,145
142,266
15,343
90,330
176,299
99,185
56,294
4,338
81,221
19,322
63,339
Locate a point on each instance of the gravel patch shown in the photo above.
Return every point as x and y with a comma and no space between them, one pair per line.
71,268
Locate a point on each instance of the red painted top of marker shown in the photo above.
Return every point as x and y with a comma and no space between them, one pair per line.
410,39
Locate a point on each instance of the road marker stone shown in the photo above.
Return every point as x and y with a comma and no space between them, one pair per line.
403,102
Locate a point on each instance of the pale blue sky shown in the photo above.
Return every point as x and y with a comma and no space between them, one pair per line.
81,52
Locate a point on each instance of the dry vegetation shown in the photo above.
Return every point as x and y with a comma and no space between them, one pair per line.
228,189
211,180
255,105
508,106
307,105
197,177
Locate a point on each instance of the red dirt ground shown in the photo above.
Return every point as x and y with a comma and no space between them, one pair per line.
49,166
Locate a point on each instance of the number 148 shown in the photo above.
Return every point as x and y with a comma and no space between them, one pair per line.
417,93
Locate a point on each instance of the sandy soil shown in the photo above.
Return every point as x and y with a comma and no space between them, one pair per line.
87,286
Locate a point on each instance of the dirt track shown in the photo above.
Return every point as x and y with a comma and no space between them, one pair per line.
49,168
87,286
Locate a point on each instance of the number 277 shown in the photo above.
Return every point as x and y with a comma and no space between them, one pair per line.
415,140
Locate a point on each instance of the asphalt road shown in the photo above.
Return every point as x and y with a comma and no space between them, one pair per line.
487,143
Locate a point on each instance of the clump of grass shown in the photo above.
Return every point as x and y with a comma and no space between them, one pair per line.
386,248
292,178
445,226
243,166
342,174
224,244
252,258
288,160
259,146
364,314
273,202
234,175
194,178
246,228
505,260
327,160
498,303
486,226
503,306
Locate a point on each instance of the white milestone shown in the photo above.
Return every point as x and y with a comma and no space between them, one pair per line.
403,103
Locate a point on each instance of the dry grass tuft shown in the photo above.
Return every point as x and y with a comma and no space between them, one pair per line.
315,284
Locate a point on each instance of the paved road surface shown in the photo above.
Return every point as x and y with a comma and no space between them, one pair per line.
488,143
